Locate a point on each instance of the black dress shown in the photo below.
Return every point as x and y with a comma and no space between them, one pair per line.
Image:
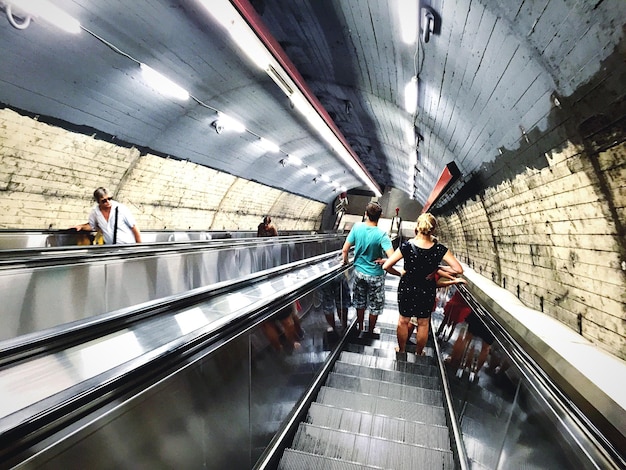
416,294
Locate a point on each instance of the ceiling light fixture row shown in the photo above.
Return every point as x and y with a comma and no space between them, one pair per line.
309,170
20,13
413,21
408,14
246,39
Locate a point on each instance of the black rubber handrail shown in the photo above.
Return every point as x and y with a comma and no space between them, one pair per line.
456,436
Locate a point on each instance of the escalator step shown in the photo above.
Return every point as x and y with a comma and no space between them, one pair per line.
383,406
385,389
369,450
386,329
377,349
388,364
406,378
298,460
387,350
394,429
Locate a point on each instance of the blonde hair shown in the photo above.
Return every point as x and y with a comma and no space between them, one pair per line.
426,224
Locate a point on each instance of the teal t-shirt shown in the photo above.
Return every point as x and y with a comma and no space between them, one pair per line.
370,243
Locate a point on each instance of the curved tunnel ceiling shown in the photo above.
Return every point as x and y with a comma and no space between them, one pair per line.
490,73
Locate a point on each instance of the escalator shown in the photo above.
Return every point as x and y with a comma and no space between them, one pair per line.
42,288
173,383
195,383
380,409
375,411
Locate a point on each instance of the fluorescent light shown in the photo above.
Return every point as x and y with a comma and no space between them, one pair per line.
279,80
269,146
251,45
410,96
245,38
230,124
51,13
408,20
301,103
163,84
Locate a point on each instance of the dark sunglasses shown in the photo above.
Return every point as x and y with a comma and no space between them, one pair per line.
105,199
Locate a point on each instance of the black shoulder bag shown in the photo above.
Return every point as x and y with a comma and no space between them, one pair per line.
115,227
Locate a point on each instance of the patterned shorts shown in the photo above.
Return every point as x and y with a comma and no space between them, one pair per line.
369,292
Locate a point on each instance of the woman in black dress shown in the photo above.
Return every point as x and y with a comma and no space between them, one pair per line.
416,290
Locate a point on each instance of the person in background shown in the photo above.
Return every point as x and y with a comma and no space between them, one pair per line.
267,228
370,244
455,311
416,290
113,219
395,229
342,203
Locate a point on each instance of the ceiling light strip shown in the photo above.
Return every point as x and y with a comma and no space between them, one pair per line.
254,20
47,11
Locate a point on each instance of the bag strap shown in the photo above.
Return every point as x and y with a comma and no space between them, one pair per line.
115,227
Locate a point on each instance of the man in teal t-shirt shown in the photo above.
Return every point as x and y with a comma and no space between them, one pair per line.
370,244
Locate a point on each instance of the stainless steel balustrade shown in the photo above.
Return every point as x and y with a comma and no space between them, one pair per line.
227,393
363,418
43,288
194,384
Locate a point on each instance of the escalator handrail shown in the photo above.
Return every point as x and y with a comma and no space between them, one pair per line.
62,336
39,257
53,413
274,450
598,448
456,434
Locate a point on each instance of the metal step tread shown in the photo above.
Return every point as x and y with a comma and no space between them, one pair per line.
395,429
293,459
388,350
368,450
387,328
385,389
388,364
399,377
383,406
376,348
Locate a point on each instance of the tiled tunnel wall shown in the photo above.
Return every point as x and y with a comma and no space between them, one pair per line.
48,175
551,237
